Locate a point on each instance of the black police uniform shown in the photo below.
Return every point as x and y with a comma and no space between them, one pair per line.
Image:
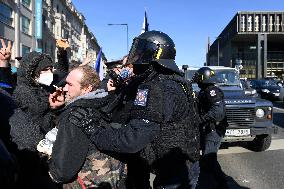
162,130
213,126
162,127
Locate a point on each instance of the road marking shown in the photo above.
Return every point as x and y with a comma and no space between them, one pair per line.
276,144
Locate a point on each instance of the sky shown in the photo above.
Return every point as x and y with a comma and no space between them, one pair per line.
188,22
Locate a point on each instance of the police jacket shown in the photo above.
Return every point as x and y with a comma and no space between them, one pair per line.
162,127
73,153
212,108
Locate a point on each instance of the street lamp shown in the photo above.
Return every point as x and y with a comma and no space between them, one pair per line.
218,50
126,32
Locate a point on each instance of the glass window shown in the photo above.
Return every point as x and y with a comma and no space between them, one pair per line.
277,23
271,23
256,23
26,3
25,50
250,23
264,23
6,14
25,25
243,24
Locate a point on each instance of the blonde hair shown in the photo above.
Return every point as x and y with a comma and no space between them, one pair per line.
89,78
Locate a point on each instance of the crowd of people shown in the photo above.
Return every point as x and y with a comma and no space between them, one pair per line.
61,127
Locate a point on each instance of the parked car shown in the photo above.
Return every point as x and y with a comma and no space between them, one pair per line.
268,89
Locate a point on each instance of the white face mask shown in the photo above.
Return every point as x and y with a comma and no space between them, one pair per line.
45,78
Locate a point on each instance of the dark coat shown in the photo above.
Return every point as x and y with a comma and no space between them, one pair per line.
6,79
30,122
7,107
73,152
61,68
33,117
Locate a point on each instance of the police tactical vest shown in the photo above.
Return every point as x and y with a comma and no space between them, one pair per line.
177,145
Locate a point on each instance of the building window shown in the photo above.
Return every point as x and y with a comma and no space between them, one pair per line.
44,21
277,23
264,23
25,25
271,23
25,50
256,23
250,23
26,3
6,14
243,24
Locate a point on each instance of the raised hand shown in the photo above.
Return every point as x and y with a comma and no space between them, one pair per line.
5,52
56,99
62,43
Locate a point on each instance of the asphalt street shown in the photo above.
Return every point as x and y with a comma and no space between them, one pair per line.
257,170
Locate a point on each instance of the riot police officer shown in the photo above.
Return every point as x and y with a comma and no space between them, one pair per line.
212,127
162,127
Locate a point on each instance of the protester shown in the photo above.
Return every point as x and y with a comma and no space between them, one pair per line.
33,117
75,161
161,129
61,68
213,127
6,79
8,172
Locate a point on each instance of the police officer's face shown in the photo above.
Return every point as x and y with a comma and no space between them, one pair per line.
73,87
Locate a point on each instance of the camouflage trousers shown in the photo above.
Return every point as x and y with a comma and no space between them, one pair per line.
100,171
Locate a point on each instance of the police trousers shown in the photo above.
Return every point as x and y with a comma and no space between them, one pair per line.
212,143
193,174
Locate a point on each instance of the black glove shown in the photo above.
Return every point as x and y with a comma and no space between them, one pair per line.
88,119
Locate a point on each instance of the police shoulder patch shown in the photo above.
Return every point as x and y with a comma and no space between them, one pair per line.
141,97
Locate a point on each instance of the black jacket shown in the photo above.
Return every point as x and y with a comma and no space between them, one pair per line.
6,79
7,107
33,118
72,147
212,109
61,68
162,128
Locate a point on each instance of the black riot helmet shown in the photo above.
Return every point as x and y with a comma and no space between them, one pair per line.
153,46
204,76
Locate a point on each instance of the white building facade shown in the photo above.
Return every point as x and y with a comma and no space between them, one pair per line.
59,19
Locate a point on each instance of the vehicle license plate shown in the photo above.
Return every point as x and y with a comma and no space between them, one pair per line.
237,132
276,94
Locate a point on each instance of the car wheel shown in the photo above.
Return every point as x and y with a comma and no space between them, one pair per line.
260,143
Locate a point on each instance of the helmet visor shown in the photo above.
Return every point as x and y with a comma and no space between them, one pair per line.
137,51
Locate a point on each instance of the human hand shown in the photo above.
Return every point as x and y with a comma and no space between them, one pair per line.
110,85
5,53
56,99
62,43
